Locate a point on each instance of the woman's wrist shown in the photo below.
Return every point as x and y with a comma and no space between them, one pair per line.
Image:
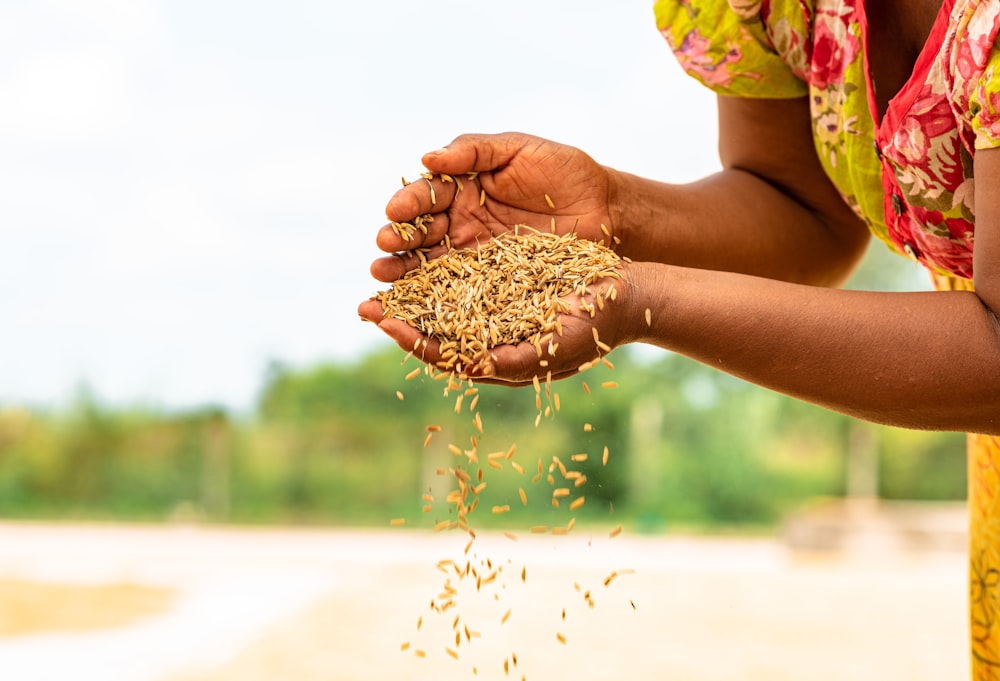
639,303
642,212
621,195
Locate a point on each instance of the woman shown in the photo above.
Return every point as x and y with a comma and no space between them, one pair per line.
838,119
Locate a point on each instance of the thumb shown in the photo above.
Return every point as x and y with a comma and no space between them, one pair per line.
477,153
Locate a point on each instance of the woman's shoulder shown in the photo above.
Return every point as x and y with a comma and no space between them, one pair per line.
740,47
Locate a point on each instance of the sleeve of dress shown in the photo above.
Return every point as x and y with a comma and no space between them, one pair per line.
984,98
733,49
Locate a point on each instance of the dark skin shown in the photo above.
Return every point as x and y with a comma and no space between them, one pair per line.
746,291
897,32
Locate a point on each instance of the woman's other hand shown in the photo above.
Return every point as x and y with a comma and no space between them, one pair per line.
493,183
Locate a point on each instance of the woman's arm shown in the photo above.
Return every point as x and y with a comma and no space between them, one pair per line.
928,360
771,211
918,360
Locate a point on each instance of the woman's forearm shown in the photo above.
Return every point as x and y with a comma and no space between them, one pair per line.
735,221
883,357
771,211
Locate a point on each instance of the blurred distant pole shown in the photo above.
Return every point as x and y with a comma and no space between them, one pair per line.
880,270
215,492
861,464
645,459
435,458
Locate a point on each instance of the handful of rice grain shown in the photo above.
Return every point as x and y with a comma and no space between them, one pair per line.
509,290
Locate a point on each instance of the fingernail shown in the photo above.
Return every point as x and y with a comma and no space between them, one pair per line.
438,152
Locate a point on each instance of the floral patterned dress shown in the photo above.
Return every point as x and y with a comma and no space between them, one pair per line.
908,174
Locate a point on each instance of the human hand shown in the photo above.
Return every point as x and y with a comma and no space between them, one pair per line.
592,325
493,183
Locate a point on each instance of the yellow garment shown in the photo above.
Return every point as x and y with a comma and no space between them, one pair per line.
984,539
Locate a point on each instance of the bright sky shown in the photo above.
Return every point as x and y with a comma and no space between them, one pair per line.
190,189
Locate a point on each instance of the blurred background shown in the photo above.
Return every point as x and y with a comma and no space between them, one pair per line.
201,446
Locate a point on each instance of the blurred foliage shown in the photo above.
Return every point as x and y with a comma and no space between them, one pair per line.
335,444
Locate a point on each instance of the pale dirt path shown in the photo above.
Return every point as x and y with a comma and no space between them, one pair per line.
335,605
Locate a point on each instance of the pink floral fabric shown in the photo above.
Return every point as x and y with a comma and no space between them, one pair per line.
907,173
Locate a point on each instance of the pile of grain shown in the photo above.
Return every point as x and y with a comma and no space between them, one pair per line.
510,290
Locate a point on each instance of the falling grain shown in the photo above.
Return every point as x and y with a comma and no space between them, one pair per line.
548,200
577,503
396,522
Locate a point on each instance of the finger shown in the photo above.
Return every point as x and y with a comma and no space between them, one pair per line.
391,238
371,311
477,153
395,266
409,339
421,197
389,268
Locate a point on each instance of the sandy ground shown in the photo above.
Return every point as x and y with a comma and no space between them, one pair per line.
303,605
